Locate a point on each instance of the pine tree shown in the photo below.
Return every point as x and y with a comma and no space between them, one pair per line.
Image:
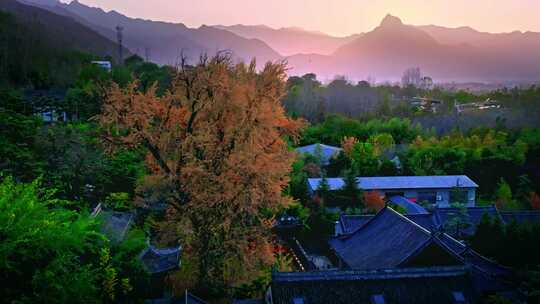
353,195
323,189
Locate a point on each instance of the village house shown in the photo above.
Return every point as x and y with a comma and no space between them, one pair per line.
435,191
157,262
389,258
443,219
106,65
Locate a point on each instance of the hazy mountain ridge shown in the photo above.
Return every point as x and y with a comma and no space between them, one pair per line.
165,41
447,54
291,40
390,48
60,29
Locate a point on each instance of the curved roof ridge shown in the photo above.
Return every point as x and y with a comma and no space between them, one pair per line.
358,274
401,216
347,235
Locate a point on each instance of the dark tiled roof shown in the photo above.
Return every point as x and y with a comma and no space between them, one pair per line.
407,285
188,298
249,301
384,242
425,220
192,299
410,207
115,224
350,223
389,239
521,216
160,260
360,275
475,214
441,216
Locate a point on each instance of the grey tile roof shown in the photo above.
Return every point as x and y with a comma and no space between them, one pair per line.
441,216
187,298
521,216
375,274
389,240
407,285
350,223
410,207
328,152
475,214
401,182
386,241
115,225
192,299
248,301
160,260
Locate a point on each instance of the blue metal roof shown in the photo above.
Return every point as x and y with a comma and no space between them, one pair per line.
400,182
328,152
410,207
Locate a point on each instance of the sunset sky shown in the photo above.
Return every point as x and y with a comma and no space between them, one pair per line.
336,17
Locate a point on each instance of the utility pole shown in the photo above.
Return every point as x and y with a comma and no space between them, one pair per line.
147,53
119,37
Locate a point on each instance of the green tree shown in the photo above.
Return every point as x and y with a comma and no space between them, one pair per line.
43,246
351,195
364,159
489,236
504,196
323,189
458,221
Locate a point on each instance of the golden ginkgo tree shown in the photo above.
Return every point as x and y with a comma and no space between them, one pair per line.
219,138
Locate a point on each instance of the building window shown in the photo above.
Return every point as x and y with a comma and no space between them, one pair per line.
459,196
394,193
459,297
427,197
377,299
298,301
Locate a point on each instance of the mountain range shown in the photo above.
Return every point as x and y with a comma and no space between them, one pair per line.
291,40
59,31
446,54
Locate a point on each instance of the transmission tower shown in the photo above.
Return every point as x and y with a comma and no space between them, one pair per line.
119,37
147,54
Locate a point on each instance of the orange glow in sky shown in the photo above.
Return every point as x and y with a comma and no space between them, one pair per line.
336,17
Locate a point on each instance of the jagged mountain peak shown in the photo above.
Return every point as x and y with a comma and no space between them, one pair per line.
390,21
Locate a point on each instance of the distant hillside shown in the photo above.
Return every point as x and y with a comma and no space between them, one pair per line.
518,48
58,30
43,48
392,47
165,41
447,55
291,41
